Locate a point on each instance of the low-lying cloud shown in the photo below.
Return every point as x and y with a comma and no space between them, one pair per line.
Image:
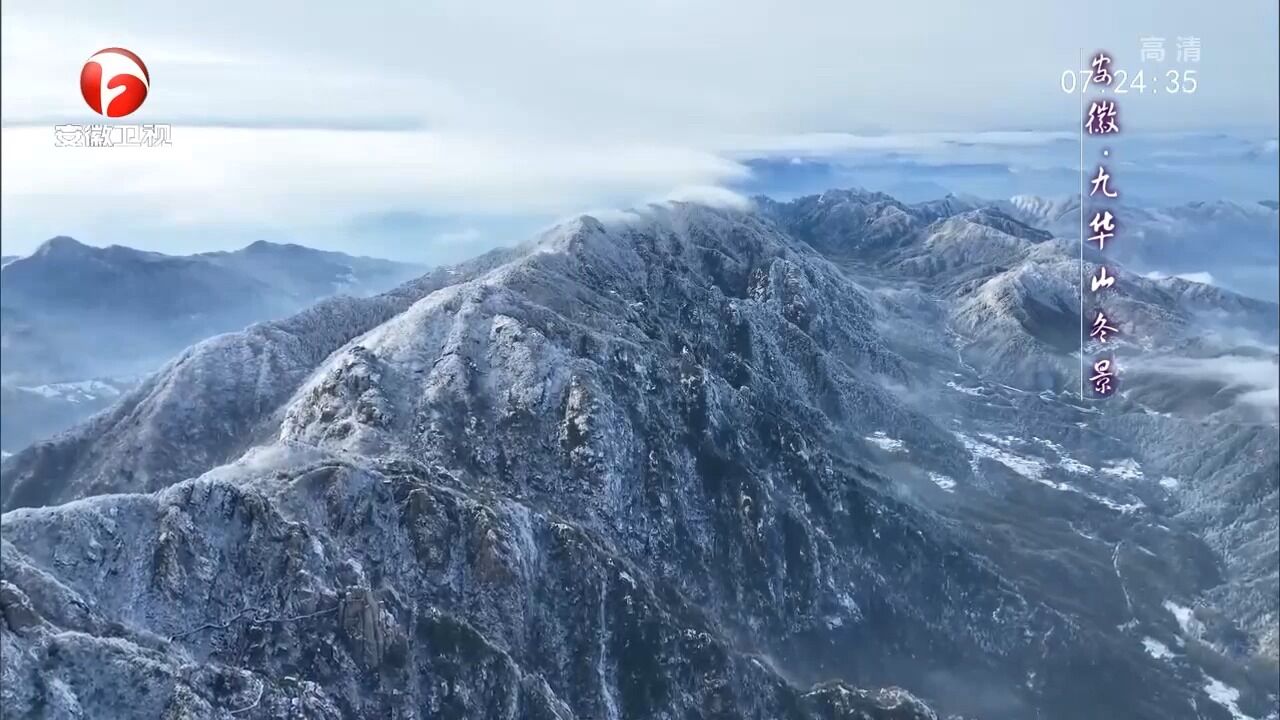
1255,380
1203,278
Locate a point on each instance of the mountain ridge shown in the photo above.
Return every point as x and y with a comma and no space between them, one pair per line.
565,452
75,314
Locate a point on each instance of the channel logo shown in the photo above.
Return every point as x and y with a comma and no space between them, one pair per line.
114,82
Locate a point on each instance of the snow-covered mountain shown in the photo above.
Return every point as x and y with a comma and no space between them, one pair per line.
74,315
1225,243
685,462
31,412
1061,215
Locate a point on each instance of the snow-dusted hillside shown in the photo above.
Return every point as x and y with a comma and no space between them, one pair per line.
74,315
683,462
73,312
1223,243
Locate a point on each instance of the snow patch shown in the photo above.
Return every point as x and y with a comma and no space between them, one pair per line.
1169,483
942,481
965,390
847,602
1065,461
1127,469
1122,508
1156,649
1049,444
886,443
1082,533
1224,695
1030,468
1186,618
526,543
1072,465
1006,441
1034,469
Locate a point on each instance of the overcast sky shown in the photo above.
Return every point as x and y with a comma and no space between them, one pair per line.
294,118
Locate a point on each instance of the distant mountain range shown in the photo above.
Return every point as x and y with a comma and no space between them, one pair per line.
95,319
824,459
1235,245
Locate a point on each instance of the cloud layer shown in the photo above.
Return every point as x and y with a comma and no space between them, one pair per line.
298,119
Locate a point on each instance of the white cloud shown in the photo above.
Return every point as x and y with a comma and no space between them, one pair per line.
1203,278
1255,378
709,195
260,175
809,145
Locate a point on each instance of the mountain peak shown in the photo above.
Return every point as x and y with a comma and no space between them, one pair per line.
266,246
60,245
629,438
998,219
853,193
